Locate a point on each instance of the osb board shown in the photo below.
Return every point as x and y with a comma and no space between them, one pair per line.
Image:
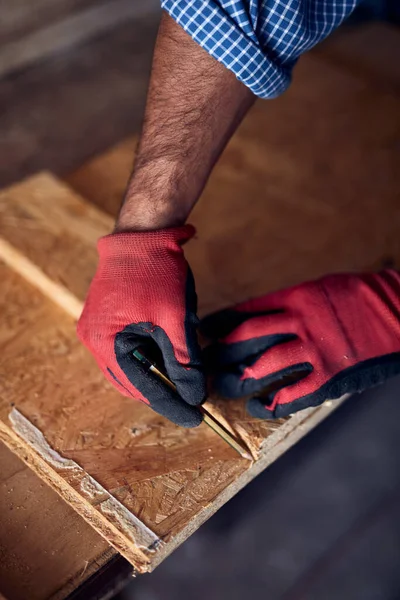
56,231
46,549
143,483
309,185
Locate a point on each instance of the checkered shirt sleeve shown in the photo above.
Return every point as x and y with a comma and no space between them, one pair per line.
260,41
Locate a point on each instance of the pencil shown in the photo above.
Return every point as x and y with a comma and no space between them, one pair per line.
207,417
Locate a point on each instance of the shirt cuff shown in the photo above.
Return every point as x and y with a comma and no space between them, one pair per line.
209,26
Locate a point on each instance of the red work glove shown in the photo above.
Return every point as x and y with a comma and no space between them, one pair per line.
143,296
319,340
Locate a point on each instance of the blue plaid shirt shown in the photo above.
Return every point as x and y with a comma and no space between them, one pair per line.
259,40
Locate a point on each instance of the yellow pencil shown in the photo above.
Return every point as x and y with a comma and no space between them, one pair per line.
208,419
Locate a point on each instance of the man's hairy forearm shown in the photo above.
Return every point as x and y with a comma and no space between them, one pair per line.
194,105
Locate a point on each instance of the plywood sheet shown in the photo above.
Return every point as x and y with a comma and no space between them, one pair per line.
46,548
143,483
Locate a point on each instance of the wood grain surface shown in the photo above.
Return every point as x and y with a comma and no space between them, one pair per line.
46,548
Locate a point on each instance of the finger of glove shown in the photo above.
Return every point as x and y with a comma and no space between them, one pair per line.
241,354
290,396
241,326
189,378
321,385
222,323
281,360
250,339
190,382
161,398
188,374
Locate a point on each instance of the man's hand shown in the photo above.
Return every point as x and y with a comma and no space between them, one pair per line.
143,291
143,296
323,339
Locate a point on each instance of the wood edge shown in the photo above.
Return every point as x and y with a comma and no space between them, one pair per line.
278,443
28,270
107,530
35,276
46,177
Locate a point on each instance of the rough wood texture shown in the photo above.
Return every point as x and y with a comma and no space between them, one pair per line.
46,548
121,466
44,223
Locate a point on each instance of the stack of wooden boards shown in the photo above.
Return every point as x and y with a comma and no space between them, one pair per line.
308,185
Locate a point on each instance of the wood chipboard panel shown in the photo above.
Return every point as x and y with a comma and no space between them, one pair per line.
140,481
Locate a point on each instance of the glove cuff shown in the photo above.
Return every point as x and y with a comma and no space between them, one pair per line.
144,242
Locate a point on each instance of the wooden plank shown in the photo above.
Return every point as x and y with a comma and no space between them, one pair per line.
130,473
370,50
73,29
53,222
46,549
